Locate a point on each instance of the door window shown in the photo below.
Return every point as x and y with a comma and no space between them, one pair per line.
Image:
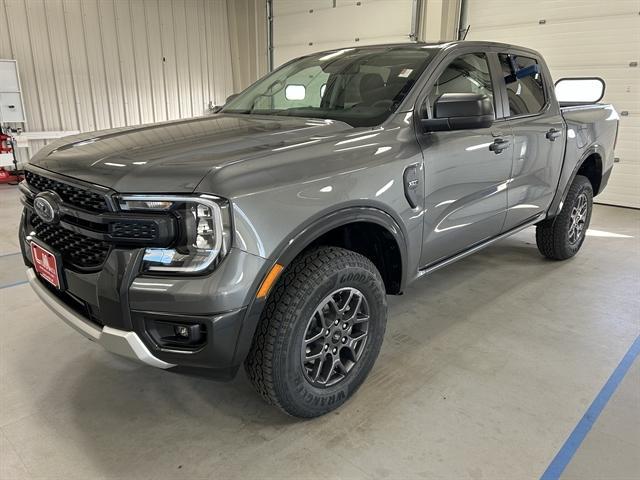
525,86
466,74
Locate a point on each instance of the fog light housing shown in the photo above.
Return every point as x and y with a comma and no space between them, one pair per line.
170,334
181,331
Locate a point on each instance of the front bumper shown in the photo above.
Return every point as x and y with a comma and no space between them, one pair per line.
126,344
118,308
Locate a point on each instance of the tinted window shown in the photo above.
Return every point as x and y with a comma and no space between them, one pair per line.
359,86
525,87
466,74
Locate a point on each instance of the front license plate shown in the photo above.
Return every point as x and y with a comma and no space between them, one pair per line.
46,264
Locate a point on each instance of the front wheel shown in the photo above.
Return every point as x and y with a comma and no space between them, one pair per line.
561,237
320,333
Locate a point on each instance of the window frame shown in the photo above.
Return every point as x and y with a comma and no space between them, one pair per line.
494,94
443,63
503,86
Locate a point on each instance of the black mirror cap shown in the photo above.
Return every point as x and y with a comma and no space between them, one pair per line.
460,111
462,105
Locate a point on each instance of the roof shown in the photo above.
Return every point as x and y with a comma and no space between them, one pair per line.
442,44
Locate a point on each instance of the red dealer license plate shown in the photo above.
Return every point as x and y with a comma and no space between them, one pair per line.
46,264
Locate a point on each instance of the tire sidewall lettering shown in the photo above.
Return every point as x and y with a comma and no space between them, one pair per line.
305,393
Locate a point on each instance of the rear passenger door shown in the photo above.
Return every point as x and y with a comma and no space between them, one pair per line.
538,130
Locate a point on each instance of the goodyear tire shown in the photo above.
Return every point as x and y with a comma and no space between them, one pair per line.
320,332
561,237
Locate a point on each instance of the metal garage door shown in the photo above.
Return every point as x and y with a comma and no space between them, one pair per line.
581,38
302,27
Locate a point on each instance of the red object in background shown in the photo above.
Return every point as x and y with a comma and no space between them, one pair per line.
9,177
6,146
5,143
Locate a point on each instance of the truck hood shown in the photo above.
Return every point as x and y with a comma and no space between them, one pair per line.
173,157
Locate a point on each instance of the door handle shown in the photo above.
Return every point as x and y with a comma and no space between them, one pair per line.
553,133
498,145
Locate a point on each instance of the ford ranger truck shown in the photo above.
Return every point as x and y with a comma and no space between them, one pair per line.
270,233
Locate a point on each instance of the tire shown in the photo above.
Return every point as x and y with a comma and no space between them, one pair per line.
561,237
299,321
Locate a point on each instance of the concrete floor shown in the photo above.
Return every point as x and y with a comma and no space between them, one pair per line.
487,367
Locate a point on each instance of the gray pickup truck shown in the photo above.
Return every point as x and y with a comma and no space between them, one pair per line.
270,232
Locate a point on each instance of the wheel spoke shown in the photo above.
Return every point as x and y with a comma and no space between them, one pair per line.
346,304
352,351
318,369
316,337
360,319
336,310
359,337
338,366
314,356
353,344
354,312
323,318
333,341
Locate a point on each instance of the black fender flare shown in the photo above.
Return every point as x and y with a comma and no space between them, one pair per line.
324,222
300,239
563,190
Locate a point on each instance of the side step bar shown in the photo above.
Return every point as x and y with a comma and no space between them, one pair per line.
448,261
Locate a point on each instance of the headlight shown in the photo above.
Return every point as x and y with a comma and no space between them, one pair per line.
204,231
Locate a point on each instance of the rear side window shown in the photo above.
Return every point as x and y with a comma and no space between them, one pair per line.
525,86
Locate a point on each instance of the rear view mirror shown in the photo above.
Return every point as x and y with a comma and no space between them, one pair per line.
295,92
576,91
460,111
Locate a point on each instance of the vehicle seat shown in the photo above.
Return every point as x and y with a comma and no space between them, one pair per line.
372,88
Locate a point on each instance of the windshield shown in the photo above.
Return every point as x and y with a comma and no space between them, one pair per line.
361,87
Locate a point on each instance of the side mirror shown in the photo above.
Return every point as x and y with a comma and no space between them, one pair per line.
579,90
231,97
460,111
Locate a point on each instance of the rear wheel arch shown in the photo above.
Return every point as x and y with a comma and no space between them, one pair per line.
591,168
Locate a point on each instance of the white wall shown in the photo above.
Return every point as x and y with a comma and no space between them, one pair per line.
306,26
439,20
95,64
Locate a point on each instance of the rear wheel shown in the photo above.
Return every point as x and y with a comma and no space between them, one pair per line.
320,333
561,237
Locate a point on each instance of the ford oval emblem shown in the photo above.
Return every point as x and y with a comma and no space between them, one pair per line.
47,206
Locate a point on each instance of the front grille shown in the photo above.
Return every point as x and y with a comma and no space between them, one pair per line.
76,250
78,197
136,231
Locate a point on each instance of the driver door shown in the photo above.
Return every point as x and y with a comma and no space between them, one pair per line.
465,176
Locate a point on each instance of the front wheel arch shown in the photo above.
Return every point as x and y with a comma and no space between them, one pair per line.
308,236
371,220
